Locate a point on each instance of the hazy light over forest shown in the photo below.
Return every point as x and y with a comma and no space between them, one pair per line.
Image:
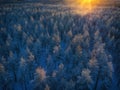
84,7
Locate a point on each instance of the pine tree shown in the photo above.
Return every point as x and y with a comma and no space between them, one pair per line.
84,81
39,79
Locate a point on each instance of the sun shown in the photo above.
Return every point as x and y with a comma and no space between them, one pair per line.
82,6
85,5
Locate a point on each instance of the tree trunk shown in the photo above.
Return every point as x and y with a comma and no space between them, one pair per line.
96,83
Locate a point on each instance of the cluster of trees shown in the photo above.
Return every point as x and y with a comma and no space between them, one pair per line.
41,1
55,51
116,42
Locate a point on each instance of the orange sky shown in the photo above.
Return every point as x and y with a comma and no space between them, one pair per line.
82,6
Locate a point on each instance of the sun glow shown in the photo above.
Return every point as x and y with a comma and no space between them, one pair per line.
82,7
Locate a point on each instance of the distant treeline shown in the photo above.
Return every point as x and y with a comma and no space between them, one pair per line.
41,1
108,3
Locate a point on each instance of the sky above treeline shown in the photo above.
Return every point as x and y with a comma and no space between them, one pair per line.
52,0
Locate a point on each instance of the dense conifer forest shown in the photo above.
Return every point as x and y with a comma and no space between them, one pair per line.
47,47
